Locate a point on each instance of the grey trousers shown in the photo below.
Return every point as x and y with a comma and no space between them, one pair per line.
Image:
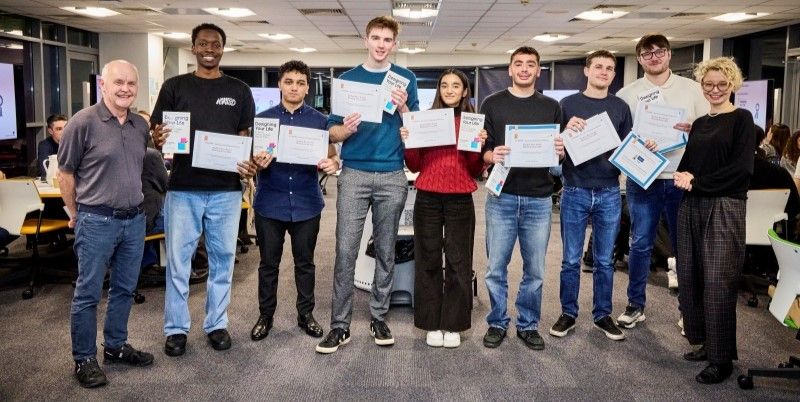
358,190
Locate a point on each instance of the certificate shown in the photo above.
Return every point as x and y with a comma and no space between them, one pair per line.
177,141
469,131
265,136
655,122
430,128
497,179
348,97
531,145
637,162
598,137
303,146
220,151
391,81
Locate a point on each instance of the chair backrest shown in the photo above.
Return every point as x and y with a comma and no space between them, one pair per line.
764,208
788,255
17,199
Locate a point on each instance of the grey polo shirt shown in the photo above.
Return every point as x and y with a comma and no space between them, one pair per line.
105,157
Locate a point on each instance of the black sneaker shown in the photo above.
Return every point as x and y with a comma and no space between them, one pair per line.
380,331
494,337
89,373
531,339
175,345
607,325
562,327
631,316
337,337
128,355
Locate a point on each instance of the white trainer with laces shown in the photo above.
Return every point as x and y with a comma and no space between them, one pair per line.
451,339
672,274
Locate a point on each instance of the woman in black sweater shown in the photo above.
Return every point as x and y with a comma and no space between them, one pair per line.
715,173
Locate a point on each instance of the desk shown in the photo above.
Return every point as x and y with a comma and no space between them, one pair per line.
46,190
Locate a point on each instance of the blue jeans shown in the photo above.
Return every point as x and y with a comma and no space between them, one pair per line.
187,214
646,207
103,242
509,217
604,206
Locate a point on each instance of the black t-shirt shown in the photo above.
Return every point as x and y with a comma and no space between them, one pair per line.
720,154
503,108
221,105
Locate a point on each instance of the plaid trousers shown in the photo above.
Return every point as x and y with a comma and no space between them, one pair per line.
710,255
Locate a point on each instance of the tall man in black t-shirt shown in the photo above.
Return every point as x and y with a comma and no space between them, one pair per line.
202,200
523,208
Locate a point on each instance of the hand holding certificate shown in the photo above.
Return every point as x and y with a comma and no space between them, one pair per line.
657,122
469,130
391,81
265,136
220,151
178,141
348,97
598,137
303,146
531,145
637,162
430,128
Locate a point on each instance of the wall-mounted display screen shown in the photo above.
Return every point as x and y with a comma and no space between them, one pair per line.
8,103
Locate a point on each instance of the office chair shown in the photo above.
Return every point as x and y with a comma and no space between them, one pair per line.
18,198
786,292
765,208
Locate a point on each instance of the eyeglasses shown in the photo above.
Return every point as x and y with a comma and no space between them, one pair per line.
649,55
721,86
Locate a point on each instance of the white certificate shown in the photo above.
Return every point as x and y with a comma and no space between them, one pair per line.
430,128
637,162
656,122
598,137
497,179
531,145
220,151
391,81
303,146
469,130
177,141
265,136
348,97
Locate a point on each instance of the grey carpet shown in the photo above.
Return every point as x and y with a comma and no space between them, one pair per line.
35,359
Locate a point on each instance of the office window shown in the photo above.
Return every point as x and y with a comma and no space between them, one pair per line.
251,76
54,68
19,25
83,38
54,32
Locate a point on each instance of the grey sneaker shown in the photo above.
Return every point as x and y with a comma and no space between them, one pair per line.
562,327
631,317
609,327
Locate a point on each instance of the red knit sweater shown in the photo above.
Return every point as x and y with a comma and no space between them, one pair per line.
445,169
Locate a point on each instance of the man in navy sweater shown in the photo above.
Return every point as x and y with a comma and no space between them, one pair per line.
591,190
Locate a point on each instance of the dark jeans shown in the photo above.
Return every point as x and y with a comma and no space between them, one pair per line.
303,235
443,298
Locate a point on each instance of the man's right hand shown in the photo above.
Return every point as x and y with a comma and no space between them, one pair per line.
160,134
351,123
499,153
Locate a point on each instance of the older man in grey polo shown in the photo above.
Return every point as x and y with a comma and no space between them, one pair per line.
100,163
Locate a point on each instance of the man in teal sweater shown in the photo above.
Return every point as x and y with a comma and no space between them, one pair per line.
372,175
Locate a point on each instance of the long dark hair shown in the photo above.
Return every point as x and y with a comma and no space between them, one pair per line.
464,105
792,152
779,138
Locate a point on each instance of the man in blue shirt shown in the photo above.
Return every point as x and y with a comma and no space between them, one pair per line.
372,177
288,198
591,190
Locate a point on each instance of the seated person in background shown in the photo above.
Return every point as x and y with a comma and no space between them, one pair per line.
791,153
49,145
154,188
767,175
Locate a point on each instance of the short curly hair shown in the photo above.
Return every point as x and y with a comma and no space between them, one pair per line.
726,66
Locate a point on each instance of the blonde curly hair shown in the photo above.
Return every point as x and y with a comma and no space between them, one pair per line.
725,65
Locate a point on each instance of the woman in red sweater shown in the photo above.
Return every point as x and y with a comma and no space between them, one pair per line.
444,220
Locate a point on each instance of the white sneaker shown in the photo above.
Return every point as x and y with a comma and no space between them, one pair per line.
451,339
680,324
435,339
672,274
